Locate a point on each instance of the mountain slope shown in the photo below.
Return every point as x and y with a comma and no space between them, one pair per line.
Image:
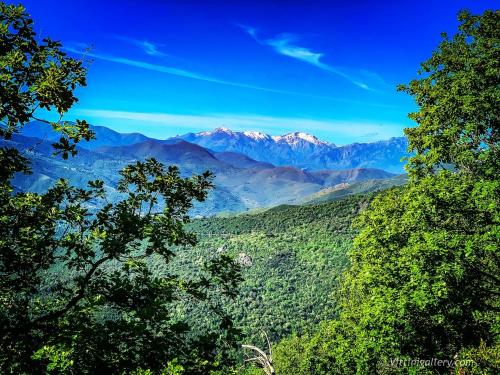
253,184
292,257
104,135
334,177
241,182
180,153
303,150
241,161
345,189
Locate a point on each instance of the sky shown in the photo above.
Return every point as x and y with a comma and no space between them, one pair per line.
329,68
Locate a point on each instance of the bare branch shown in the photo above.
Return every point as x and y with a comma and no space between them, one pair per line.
263,359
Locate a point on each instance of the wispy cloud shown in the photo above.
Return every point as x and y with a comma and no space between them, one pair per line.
144,65
163,125
284,44
79,48
150,48
172,70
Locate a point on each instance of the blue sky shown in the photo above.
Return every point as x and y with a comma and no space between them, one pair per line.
329,68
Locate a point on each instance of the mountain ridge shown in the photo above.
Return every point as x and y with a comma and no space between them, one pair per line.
303,150
242,183
298,149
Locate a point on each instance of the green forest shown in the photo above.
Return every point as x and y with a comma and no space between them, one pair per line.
400,281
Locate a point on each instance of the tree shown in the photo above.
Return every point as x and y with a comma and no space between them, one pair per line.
457,95
78,292
424,278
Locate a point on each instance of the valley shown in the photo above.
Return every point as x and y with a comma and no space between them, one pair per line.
284,210
252,170
291,258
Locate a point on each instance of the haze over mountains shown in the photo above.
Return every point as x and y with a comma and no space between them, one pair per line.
303,150
252,169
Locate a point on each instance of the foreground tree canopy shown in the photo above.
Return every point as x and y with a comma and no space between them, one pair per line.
87,286
78,293
424,279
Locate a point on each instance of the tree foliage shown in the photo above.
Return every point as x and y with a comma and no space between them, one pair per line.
296,255
78,292
36,75
457,95
423,281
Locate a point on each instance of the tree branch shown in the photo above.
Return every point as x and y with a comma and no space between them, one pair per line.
76,298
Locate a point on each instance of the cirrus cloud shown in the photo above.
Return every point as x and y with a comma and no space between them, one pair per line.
286,44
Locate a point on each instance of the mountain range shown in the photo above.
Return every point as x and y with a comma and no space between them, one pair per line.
303,150
252,169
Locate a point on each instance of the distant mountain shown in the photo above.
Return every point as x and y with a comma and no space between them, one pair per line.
303,150
386,155
180,152
104,136
334,177
298,149
345,189
241,161
242,183
291,149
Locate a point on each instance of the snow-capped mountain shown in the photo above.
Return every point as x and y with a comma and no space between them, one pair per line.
298,138
305,165
292,139
298,149
288,149
303,150
258,136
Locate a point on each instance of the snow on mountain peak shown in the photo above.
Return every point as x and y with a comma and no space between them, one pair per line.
296,137
309,138
222,129
291,139
217,130
258,136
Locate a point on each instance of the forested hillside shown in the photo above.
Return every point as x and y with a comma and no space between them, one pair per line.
241,183
115,275
291,258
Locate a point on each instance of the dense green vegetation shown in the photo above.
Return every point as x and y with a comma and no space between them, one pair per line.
80,287
295,256
423,281
362,285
